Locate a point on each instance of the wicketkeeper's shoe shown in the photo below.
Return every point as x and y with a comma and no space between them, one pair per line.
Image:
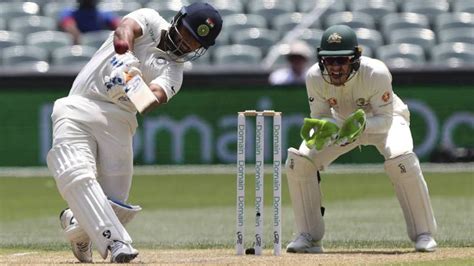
82,250
425,243
304,243
122,252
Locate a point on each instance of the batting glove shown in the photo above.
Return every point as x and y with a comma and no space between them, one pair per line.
319,133
352,128
124,61
117,81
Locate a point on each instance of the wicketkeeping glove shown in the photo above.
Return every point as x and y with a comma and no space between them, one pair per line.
352,128
324,133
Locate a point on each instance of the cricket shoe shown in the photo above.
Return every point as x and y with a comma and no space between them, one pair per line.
304,243
122,252
82,250
425,243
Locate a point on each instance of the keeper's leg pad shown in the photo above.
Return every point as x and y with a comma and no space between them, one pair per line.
78,186
305,194
412,193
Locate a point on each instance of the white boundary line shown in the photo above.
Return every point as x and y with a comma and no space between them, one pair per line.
230,169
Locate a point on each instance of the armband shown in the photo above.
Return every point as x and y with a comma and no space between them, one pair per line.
140,94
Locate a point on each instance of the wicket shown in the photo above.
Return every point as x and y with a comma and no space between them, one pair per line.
259,185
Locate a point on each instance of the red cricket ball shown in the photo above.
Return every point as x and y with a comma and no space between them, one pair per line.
120,46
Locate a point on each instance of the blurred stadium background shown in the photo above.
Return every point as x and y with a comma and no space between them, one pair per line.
403,33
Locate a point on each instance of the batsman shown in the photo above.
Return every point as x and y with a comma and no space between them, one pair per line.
137,69
352,104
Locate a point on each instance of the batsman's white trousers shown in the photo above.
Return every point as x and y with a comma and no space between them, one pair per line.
396,142
103,133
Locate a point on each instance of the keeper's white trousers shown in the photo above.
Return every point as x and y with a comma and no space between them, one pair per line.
103,133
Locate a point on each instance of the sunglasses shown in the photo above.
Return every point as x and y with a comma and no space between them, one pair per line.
336,60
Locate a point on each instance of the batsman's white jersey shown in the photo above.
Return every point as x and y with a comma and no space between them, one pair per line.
369,89
155,64
102,128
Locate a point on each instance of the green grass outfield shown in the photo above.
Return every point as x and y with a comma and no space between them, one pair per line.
198,211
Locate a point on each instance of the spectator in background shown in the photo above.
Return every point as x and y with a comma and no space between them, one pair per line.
85,18
298,58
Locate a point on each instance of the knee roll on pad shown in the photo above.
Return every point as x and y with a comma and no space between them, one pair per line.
300,165
305,194
68,165
412,193
78,186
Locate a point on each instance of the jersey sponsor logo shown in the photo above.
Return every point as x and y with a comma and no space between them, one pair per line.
386,96
361,102
332,102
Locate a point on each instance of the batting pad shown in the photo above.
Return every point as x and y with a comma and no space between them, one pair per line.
125,213
412,193
78,186
305,194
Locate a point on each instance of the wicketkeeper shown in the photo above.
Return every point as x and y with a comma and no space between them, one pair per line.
352,103
139,68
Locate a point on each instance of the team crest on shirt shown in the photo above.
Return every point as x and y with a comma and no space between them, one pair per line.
361,102
332,102
386,96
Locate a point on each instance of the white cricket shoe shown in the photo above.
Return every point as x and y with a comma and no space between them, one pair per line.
425,243
122,252
82,250
304,243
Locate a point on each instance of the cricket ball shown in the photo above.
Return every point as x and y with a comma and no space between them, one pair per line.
120,46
